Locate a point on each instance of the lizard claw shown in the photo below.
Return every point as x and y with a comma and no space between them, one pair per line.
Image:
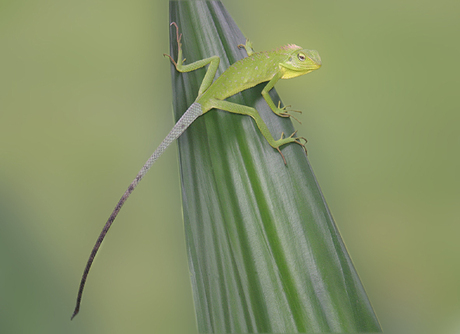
298,140
178,36
282,156
166,55
178,39
289,106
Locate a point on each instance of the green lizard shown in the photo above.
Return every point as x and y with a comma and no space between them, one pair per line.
286,62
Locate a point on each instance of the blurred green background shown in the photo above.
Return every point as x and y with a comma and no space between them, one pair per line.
85,97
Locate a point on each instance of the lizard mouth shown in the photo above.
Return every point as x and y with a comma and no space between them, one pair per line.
314,57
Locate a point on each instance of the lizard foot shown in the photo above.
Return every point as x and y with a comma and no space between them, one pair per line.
284,112
178,39
291,139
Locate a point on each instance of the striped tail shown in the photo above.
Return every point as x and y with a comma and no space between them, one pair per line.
184,122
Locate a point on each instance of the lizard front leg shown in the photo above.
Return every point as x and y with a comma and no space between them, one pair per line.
282,112
248,47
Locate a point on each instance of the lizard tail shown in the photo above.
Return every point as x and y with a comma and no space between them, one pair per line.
184,122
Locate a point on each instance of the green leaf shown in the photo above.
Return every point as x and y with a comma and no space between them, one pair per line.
264,252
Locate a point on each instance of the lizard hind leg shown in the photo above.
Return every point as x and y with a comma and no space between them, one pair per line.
249,111
213,63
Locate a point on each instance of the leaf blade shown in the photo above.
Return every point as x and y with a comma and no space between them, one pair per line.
264,252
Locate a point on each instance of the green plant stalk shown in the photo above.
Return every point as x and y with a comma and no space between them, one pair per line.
264,252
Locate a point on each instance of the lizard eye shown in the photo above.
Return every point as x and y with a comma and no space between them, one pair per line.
301,57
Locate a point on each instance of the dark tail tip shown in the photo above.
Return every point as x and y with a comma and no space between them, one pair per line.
75,312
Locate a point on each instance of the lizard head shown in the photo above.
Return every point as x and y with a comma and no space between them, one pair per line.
300,62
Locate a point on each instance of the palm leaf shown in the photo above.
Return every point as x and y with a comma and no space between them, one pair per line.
264,252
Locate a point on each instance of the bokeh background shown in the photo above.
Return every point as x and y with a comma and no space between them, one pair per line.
85,97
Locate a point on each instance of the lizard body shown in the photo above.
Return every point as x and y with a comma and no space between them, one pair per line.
248,72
